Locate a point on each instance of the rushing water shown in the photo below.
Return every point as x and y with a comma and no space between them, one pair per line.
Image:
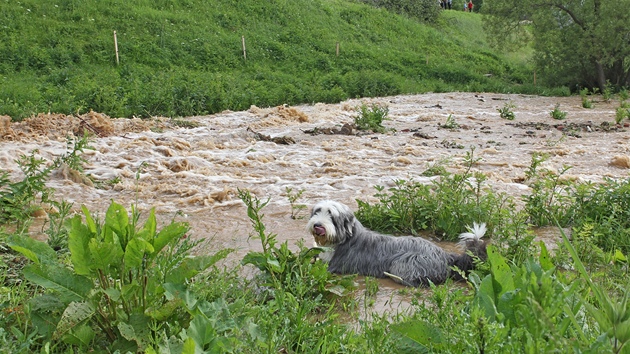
194,173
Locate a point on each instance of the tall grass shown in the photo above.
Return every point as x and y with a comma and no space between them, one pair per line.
185,58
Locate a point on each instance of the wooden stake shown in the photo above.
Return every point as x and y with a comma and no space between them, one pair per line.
337,49
244,50
116,47
534,77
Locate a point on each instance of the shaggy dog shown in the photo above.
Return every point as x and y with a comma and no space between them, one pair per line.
408,260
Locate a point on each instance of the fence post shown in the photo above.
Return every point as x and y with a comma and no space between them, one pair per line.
337,49
116,47
244,49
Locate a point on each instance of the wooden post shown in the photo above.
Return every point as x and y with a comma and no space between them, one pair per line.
116,47
337,49
244,50
534,77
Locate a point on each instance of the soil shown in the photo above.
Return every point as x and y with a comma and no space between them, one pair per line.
190,169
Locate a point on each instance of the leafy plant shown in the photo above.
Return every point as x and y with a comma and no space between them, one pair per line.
450,123
586,102
371,117
117,285
622,112
506,112
18,200
549,199
296,209
557,113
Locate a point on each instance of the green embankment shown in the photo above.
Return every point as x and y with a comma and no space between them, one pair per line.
180,58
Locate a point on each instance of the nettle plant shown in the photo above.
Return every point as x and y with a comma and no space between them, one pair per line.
122,283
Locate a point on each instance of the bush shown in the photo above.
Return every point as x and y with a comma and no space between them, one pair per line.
423,10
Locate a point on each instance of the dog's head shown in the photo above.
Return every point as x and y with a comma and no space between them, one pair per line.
331,223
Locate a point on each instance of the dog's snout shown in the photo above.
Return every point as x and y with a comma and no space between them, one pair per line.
317,224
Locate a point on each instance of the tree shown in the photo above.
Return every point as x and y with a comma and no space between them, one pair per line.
576,42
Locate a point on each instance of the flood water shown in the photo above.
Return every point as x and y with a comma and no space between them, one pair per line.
193,173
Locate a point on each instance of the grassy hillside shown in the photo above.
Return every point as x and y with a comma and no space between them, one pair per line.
185,57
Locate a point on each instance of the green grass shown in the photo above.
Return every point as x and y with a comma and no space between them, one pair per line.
186,58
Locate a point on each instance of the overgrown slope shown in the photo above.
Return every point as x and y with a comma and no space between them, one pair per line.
185,57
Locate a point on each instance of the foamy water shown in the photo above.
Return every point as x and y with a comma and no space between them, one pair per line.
197,172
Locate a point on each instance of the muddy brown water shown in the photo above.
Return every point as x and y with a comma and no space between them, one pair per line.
193,174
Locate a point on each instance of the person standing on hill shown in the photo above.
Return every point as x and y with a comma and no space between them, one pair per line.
470,5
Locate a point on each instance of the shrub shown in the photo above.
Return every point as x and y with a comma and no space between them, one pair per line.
371,117
423,10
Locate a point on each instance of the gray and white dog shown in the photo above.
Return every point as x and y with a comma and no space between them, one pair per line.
408,260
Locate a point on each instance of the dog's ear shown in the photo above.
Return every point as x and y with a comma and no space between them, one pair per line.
346,223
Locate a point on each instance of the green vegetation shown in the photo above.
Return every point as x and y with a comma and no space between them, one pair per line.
556,113
371,117
576,43
122,285
186,58
506,112
586,102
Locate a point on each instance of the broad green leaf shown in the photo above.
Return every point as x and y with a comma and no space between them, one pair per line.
70,286
257,259
117,219
180,291
81,336
417,336
501,272
105,255
148,230
45,313
201,330
136,330
35,251
78,239
135,252
545,258
168,233
485,297
191,266
618,256
113,293
189,346
73,315
89,220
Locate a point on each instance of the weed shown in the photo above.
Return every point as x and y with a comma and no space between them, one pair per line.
621,113
18,200
371,117
506,112
549,199
586,102
557,113
450,123
296,209
437,168
607,94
